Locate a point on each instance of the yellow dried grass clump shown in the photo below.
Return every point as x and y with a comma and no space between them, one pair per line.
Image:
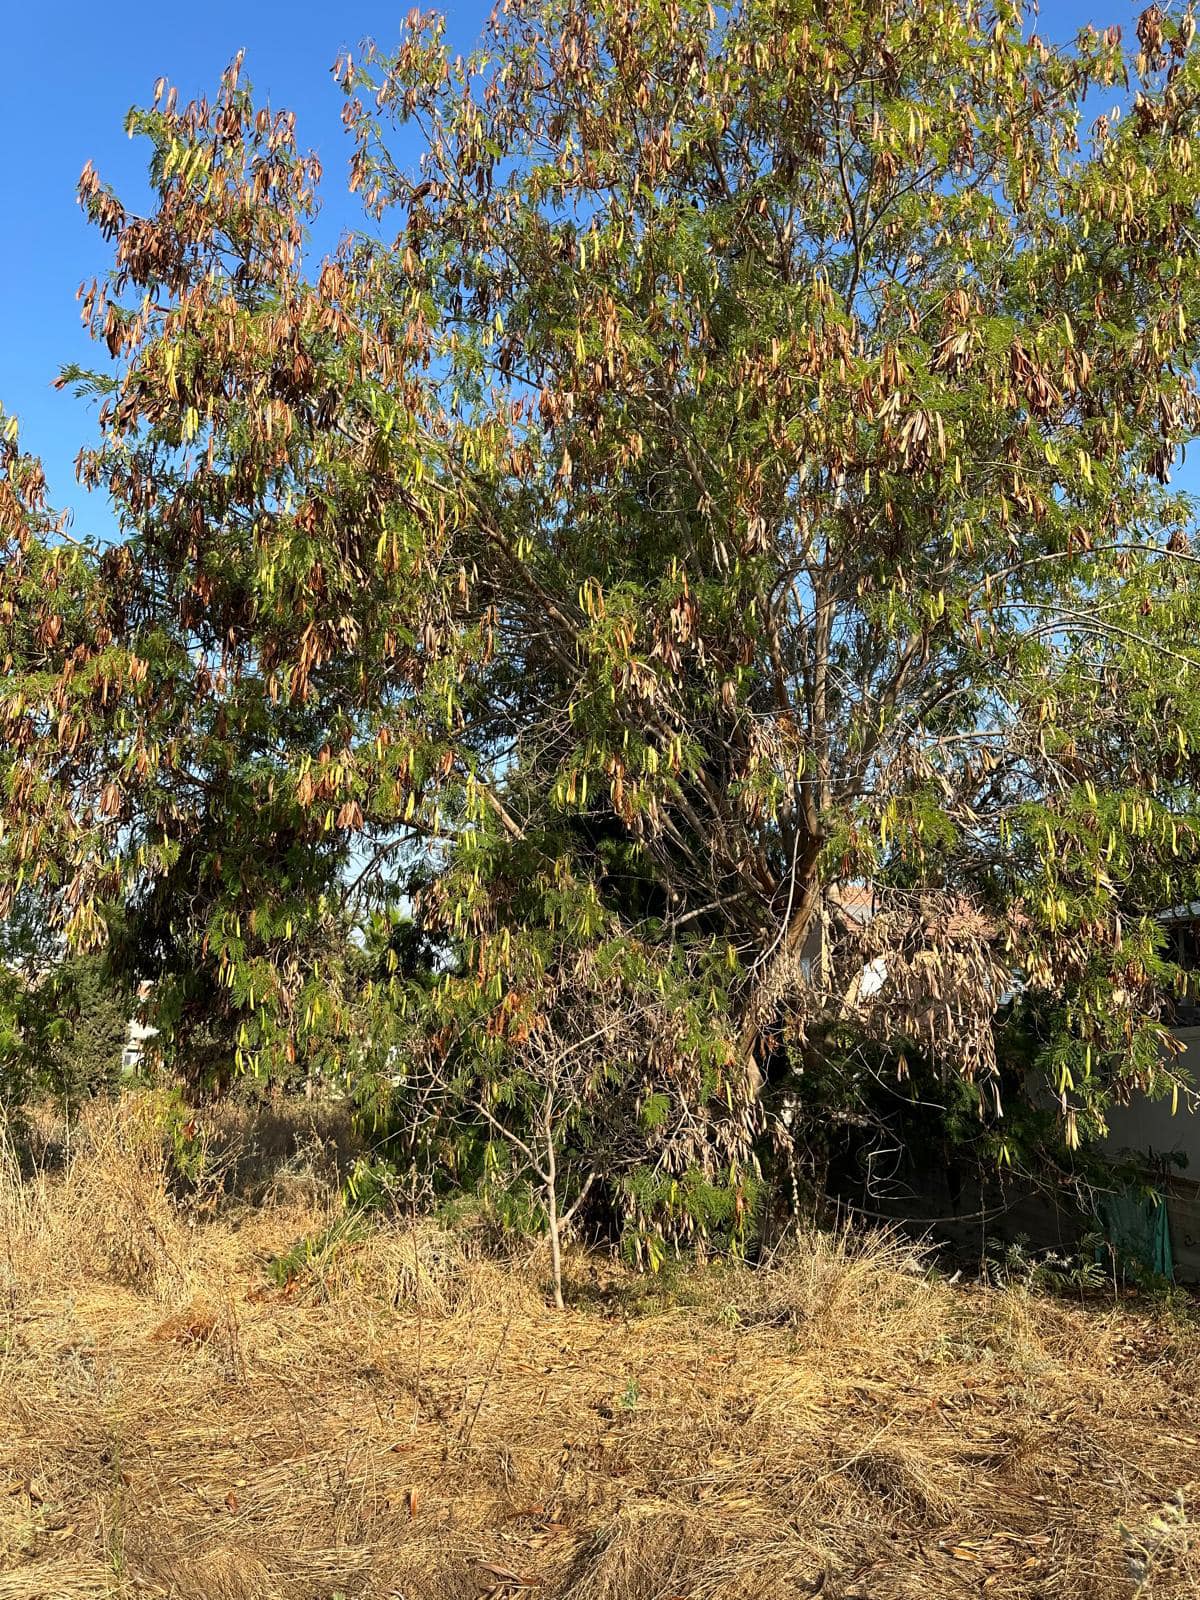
97,1203
852,1286
396,1414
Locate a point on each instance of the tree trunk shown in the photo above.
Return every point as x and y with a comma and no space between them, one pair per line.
790,944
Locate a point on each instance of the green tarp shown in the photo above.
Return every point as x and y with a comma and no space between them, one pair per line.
1135,1225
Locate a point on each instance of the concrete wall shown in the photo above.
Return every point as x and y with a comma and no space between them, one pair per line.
1148,1128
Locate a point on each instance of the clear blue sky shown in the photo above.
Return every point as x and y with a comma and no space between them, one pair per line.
73,72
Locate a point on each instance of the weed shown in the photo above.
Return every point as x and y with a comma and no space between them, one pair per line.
1049,1271
313,1256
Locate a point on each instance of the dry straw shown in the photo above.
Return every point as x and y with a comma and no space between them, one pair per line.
404,1416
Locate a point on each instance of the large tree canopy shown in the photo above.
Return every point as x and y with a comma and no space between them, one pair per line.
732,469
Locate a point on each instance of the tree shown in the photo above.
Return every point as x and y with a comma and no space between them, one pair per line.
735,466
263,609
815,384
599,1072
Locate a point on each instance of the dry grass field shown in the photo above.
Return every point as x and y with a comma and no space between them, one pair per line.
405,1417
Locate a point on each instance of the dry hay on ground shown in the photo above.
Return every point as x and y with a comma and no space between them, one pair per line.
404,1419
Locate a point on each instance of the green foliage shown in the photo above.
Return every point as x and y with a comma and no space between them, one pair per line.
95,1007
63,1023
735,470
631,1395
316,1253
188,1153
1050,1271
